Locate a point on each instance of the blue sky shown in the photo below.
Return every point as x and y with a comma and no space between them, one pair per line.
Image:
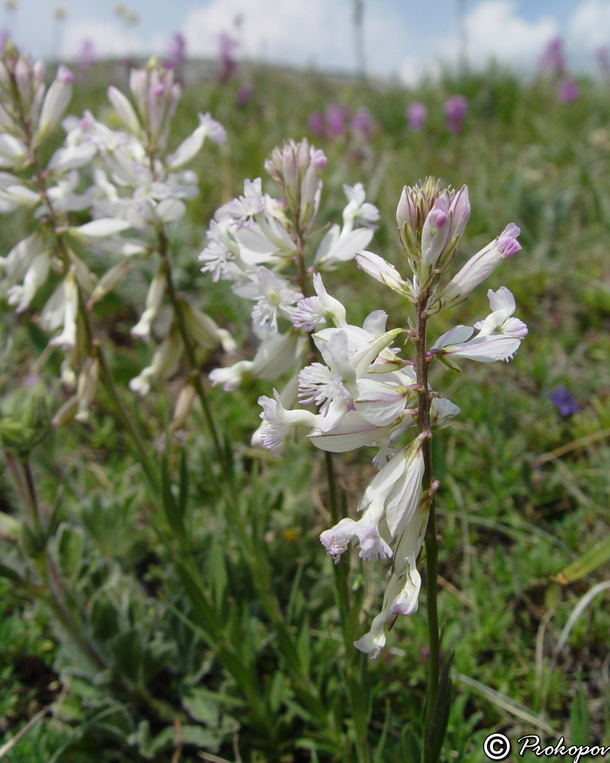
402,37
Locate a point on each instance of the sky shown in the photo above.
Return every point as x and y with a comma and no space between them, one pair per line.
402,38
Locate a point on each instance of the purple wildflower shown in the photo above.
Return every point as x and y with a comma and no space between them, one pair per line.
455,112
335,120
86,54
227,45
316,123
553,60
176,51
245,92
602,54
567,91
563,400
363,123
417,113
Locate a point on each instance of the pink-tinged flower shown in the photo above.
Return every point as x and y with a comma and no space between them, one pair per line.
499,336
455,113
176,51
417,114
244,94
86,56
279,422
315,123
363,122
335,120
602,55
228,46
480,266
553,60
567,91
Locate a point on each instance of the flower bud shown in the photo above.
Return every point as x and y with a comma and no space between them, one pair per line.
87,386
431,224
481,265
297,167
184,403
55,102
124,109
154,298
109,281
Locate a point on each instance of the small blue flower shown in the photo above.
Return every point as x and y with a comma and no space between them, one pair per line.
563,400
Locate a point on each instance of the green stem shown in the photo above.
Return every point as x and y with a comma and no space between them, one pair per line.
254,555
191,357
56,227
423,421
355,688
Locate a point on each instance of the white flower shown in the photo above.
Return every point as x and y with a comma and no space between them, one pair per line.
64,309
87,386
101,228
382,271
353,431
274,299
230,377
247,207
124,109
163,364
499,334
338,247
278,422
332,386
358,211
191,146
312,312
402,592
55,102
154,298
12,152
35,277
205,331
392,496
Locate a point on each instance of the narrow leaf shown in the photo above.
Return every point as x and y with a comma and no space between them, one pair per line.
586,563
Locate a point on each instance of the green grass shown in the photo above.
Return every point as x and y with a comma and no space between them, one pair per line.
509,523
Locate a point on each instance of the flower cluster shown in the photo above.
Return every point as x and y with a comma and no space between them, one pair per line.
336,121
362,392
259,242
454,108
137,187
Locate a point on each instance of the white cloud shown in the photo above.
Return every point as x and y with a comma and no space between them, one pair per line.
109,40
494,30
589,26
287,31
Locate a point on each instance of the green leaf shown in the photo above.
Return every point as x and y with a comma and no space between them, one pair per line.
304,646
104,617
589,561
183,496
218,570
580,722
34,544
70,550
201,707
170,507
10,525
411,747
9,573
439,719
